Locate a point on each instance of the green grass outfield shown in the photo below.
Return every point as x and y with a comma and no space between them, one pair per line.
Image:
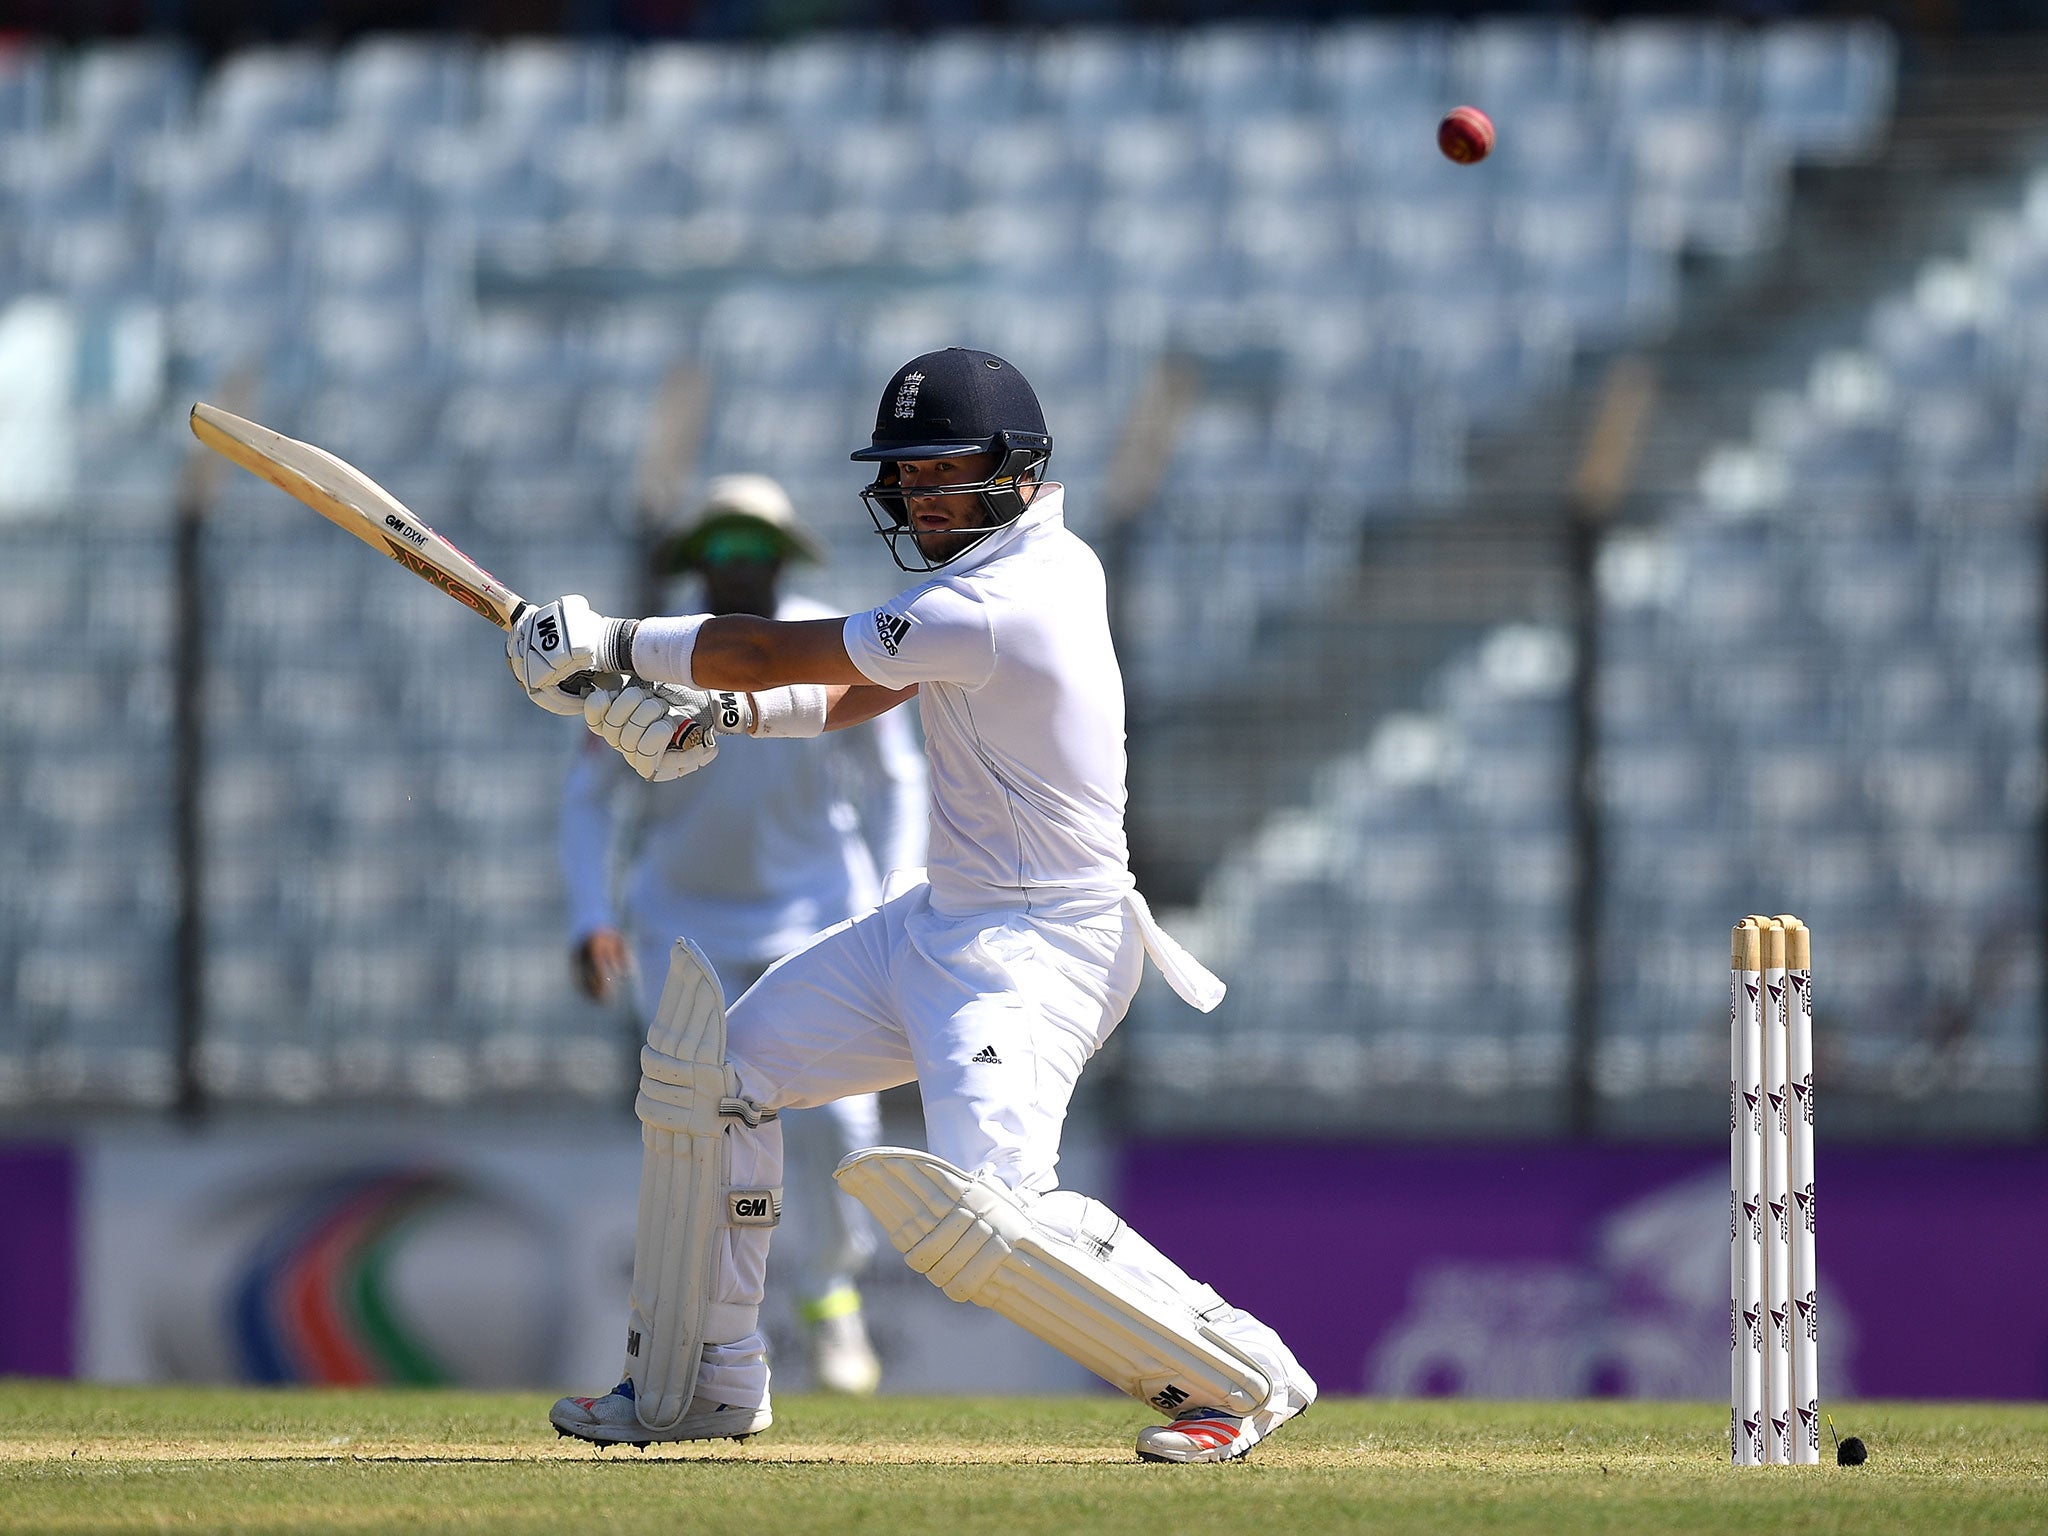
82,1458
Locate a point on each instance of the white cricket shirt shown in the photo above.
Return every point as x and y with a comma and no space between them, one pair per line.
1022,704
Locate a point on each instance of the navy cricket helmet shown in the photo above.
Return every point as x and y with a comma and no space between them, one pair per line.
949,405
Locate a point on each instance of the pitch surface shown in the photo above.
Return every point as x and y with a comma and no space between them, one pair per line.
81,1458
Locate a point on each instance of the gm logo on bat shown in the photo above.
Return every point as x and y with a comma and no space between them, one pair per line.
405,531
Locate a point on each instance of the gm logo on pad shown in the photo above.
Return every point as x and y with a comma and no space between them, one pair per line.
753,1207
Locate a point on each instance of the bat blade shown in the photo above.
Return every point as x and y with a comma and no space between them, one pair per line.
351,500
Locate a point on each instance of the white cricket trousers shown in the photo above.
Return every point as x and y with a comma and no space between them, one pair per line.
820,1138
992,1015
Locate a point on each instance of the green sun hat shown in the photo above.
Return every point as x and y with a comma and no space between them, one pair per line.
739,517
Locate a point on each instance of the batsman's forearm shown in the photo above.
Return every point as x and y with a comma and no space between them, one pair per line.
735,651
861,702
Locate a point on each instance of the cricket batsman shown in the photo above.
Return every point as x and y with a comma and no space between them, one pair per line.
989,982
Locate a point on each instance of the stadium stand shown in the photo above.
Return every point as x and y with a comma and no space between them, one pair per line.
467,268
1823,681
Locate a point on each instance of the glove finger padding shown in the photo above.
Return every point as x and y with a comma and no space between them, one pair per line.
595,705
606,709
618,709
671,749
650,727
658,735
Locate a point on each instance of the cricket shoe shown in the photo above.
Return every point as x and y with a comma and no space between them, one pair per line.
842,1358
614,1419
1210,1434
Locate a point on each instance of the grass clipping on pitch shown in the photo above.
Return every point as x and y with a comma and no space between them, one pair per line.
82,1458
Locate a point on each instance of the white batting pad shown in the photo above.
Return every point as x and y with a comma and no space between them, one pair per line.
1113,1312
687,1094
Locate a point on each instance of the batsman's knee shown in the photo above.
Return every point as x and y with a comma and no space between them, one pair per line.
688,1085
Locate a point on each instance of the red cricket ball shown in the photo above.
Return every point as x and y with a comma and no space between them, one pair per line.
1465,135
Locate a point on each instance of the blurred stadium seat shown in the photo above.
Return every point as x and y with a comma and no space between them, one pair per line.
467,265
117,91
1825,91
388,86
259,92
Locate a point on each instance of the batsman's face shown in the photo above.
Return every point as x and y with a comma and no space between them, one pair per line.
945,505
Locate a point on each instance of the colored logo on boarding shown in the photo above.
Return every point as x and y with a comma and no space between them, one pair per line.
316,1300
393,1275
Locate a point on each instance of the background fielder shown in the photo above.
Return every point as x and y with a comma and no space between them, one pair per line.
749,863
991,984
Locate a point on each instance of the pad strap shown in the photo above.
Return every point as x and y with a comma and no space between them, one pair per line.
672,1091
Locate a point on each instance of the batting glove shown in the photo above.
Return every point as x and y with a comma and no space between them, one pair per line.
660,728
561,644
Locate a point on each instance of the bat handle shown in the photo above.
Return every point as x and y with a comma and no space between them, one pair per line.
583,682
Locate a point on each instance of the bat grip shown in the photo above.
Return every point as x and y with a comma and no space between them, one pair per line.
583,682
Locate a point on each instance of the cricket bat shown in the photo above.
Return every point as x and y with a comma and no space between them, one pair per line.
351,500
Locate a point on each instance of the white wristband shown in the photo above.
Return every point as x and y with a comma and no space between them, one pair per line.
660,649
798,710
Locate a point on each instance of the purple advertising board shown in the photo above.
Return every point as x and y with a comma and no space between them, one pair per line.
1565,1271
38,1259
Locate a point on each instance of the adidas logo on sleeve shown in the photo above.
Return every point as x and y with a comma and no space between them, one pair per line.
890,628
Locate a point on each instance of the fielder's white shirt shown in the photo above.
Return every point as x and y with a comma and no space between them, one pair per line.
1022,705
751,856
